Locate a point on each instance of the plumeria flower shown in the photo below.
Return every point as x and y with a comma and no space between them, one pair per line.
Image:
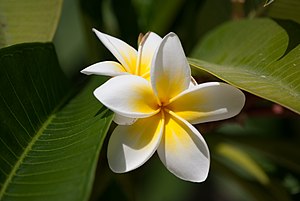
165,108
131,61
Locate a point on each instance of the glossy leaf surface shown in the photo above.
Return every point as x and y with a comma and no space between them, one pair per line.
253,60
49,142
28,21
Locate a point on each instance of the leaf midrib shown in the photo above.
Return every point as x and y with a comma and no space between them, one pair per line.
278,81
254,74
25,153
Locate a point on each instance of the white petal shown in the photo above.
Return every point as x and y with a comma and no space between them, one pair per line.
121,120
107,68
170,71
209,101
183,150
128,95
131,146
125,54
146,51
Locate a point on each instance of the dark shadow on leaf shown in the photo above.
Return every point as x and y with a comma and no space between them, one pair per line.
293,30
102,110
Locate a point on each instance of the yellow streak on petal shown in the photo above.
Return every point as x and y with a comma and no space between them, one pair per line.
137,64
146,76
190,115
183,150
147,47
138,60
142,68
146,102
168,86
130,59
170,72
176,134
144,131
141,55
131,146
206,102
187,107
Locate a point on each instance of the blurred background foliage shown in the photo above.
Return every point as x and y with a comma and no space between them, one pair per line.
255,156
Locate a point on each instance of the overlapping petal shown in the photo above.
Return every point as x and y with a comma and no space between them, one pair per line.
128,95
108,68
146,51
170,71
206,102
183,150
131,146
125,54
122,120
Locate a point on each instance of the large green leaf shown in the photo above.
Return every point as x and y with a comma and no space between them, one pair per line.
248,54
28,21
49,144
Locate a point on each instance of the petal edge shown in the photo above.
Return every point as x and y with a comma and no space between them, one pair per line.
130,147
125,54
129,96
106,68
211,101
170,71
183,150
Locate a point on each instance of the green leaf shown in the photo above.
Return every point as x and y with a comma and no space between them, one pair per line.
49,144
248,54
28,21
285,9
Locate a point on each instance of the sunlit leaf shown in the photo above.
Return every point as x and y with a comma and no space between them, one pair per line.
49,143
28,21
249,60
